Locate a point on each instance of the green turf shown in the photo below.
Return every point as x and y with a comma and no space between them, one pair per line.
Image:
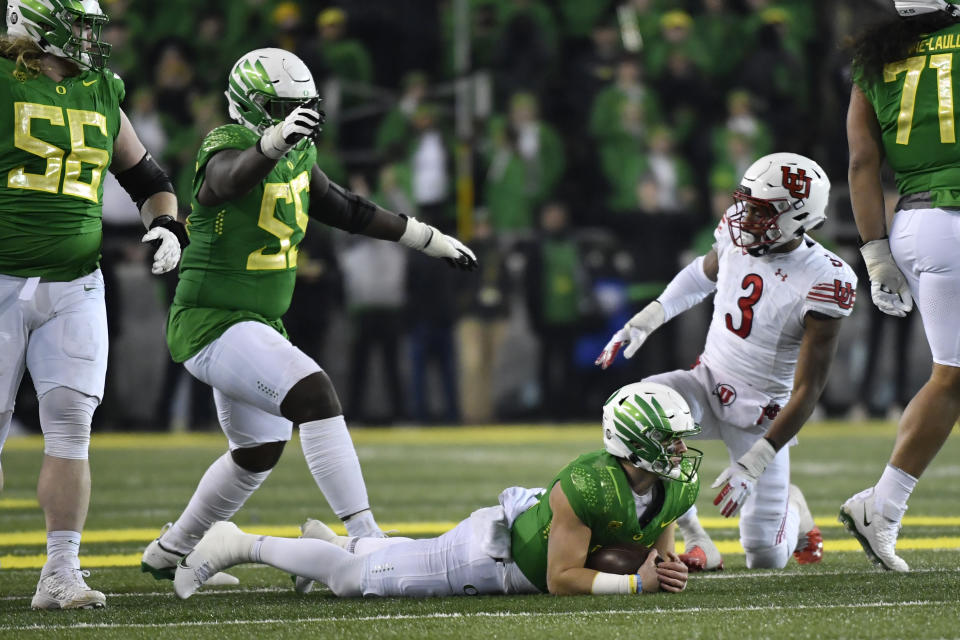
441,475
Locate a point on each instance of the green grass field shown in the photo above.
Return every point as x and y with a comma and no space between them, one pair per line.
422,481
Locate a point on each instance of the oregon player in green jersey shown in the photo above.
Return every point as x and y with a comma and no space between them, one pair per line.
903,108
61,126
533,541
256,184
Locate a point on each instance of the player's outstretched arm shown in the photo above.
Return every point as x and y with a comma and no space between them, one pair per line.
694,283
151,189
333,205
820,337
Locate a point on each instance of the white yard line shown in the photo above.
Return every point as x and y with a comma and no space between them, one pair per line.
479,614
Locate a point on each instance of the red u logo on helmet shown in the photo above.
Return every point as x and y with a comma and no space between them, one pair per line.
798,184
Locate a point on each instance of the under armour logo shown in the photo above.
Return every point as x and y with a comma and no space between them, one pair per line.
782,275
798,184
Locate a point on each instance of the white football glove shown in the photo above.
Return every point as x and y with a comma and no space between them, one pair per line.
277,140
435,244
633,334
738,479
888,287
167,254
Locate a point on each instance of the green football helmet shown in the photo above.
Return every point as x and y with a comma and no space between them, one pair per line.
265,85
66,28
642,420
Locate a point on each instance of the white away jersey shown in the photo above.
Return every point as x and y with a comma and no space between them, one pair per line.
759,309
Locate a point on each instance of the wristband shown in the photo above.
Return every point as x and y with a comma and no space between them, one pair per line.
615,584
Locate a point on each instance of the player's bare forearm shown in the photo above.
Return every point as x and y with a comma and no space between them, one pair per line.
231,173
159,204
866,158
567,549
817,351
666,544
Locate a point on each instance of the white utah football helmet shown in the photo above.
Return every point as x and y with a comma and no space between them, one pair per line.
908,8
65,28
781,197
266,85
642,420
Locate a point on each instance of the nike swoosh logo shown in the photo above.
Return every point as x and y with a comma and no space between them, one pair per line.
86,288
866,522
87,84
663,525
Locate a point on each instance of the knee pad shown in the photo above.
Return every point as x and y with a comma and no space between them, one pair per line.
312,398
65,418
260,458
774,557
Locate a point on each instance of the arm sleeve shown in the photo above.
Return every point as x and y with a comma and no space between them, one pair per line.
687,289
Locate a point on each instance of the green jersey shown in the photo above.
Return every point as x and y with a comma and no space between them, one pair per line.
241,263
56,141
915,105
599,492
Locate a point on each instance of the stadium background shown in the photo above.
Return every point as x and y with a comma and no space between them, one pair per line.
584,149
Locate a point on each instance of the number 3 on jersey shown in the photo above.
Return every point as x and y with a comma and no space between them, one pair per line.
754,283
274,192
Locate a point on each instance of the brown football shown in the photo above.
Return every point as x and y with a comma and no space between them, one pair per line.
618,558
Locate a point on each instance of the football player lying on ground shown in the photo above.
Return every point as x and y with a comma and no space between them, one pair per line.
256,185
534,541
780,299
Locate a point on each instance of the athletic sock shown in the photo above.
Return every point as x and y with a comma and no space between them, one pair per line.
63,548
222,491
310,558
895,486
333,463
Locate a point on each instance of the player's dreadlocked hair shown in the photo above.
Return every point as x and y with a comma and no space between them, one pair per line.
894,40
24,52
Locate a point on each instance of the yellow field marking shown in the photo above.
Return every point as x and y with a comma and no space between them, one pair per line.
729,547
18,503
414,529
498,434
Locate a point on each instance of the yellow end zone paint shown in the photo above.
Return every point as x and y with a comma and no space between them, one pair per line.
413,529
728,547
499,434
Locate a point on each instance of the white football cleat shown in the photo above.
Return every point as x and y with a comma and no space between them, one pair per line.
223,546
162,564
875,530
810,541
319,531
64,588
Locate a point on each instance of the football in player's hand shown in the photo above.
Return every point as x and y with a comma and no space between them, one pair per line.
618,559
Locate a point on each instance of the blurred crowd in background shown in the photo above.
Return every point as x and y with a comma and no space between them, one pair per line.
604,141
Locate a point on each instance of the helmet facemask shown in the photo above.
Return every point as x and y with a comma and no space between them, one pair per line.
644,423
753,225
